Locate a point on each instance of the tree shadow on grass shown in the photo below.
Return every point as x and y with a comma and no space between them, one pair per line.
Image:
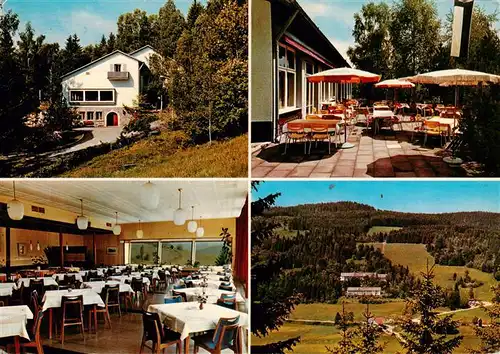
295,153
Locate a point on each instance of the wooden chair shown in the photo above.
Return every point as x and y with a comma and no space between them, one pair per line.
138,288
172,299
225,336
181,294
159,336
228,301
162,281
111,297
72,313
319,132
17,295
35,333
38,285
295,133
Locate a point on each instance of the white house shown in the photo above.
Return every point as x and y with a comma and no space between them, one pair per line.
286,47
100,89
367,291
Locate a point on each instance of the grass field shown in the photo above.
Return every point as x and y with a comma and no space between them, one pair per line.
165,156
415,256
382,229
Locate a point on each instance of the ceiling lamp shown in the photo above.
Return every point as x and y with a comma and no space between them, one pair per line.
15,208
192,225
150,196
117,229
82,221
139,233
179,214
200,231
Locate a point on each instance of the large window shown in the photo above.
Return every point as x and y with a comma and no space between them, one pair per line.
286,77
143,252
309,69
90,115
82,96
176,252
208,251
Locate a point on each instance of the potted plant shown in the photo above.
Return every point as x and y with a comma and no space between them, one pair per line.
39,261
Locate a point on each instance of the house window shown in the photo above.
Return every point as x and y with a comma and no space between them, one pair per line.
287,77
76,96
92,96
118,68
176,252
98,115
106,96
90,115
208,251
311,90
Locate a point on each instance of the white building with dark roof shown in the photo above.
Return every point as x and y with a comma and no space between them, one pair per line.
362,275
364,291
100,89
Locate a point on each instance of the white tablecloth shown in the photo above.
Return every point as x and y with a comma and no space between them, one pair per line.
98,285
6,288
46,281
122,278
214,284
59,277
215,277
13,321
213,294
52,298
85,272
186,317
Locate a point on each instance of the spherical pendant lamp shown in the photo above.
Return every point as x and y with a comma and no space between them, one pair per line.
139,233
150,196
15,208
117,229
180,214
200,231
192,225
82,221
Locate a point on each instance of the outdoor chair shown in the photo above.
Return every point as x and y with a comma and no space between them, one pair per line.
160,337
172,299
434,129
225,336
227,300
319,132
418,125
72,313
295,133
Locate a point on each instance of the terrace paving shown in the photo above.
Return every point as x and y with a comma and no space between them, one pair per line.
388,154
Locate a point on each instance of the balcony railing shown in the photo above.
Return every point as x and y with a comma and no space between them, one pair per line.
118,75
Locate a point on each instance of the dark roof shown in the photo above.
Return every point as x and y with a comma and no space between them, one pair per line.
304,28
98,60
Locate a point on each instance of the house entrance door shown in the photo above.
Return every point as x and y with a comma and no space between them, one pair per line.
112,119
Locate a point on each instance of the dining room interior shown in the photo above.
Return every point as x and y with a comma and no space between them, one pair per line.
107,266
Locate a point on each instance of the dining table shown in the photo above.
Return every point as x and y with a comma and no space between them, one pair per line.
7,288
60,276
47,281
212,294
188,319
13,321
52,299
214,284
97,286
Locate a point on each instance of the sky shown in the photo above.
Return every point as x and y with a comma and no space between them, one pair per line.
335,18
405,196
89,19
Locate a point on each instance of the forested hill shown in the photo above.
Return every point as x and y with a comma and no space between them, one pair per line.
461,238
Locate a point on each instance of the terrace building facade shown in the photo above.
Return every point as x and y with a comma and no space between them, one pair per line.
364,291
286,47
100,90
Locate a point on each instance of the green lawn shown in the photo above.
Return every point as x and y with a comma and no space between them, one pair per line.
415,256
382,229
314,339
165,155
326,312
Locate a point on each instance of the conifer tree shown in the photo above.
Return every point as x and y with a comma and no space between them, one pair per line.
429,332
490,335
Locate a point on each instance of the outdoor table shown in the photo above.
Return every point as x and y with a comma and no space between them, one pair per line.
13,320
53,298
97,286
6,288
452,123
307,123
46,281
60,276
212,294
186,318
